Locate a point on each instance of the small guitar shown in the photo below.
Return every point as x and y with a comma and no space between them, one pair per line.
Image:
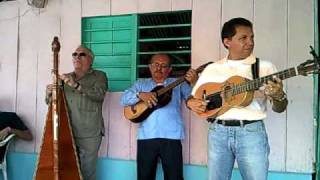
238,91
140,111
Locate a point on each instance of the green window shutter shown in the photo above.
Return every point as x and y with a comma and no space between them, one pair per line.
113,39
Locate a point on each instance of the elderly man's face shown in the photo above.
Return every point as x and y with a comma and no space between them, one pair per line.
160,67
81,59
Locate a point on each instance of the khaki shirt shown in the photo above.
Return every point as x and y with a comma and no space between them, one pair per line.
85,106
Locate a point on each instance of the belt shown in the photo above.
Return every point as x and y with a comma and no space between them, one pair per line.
234,122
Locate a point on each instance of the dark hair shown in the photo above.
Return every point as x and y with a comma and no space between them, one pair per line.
229,27
161,54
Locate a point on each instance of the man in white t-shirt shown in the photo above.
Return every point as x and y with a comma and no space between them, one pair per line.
239,132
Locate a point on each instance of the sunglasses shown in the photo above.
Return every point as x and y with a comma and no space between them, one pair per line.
80,55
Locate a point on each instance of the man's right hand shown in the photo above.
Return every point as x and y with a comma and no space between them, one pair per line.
4,133
197,105
149,98
69,80
49,90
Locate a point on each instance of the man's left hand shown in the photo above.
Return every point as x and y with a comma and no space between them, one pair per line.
192,77
274,89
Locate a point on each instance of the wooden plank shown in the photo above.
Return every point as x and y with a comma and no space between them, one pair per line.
103,152
205,31
205,47
300,149
9,12
198,140
27,76
181,5
119,130
70,33
276,125
235,8
133,140
95,7
124,7
145,6
49,26
186,141
273,15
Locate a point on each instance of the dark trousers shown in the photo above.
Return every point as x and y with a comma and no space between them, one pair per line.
170,153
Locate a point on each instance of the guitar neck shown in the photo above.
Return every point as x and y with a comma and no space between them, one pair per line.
256,83
170,86
180,80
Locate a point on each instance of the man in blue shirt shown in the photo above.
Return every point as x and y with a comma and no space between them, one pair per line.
160,134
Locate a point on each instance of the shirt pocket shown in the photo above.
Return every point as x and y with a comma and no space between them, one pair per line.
87,105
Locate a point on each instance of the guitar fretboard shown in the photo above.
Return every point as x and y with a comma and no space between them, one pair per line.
179,81
171,86
256,83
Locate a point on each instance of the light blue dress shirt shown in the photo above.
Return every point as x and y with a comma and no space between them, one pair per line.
165,122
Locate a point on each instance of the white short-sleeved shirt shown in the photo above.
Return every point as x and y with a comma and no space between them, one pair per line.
223,69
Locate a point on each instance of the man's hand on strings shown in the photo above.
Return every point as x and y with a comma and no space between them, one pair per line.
197,105
274,89
69,80
192,77
149,98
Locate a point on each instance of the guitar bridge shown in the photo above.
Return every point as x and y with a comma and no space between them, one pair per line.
133,109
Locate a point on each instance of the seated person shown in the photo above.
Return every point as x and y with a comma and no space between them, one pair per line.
10,123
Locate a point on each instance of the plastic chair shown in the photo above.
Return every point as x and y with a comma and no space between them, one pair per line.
4,146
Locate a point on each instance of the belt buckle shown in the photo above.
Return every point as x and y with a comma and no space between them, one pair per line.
241,123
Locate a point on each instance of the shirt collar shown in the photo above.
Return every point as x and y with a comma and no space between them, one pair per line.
166,81
88,72
249,60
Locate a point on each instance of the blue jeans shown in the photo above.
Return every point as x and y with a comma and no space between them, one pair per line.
248,145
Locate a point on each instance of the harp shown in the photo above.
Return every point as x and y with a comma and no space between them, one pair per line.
57,158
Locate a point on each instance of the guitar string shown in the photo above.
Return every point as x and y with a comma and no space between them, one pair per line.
180,80
289,72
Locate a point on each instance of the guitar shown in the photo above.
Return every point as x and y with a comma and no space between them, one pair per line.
238,91
140,111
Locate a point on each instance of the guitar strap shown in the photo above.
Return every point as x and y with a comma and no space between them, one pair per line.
255,75
255,69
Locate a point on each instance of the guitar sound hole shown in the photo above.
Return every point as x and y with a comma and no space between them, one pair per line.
214,102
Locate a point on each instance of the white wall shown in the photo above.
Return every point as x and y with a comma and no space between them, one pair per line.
283,32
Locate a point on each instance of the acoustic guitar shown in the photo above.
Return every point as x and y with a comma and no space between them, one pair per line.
140,111
238,91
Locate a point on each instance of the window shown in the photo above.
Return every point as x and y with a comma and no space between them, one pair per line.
168,32
124,44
